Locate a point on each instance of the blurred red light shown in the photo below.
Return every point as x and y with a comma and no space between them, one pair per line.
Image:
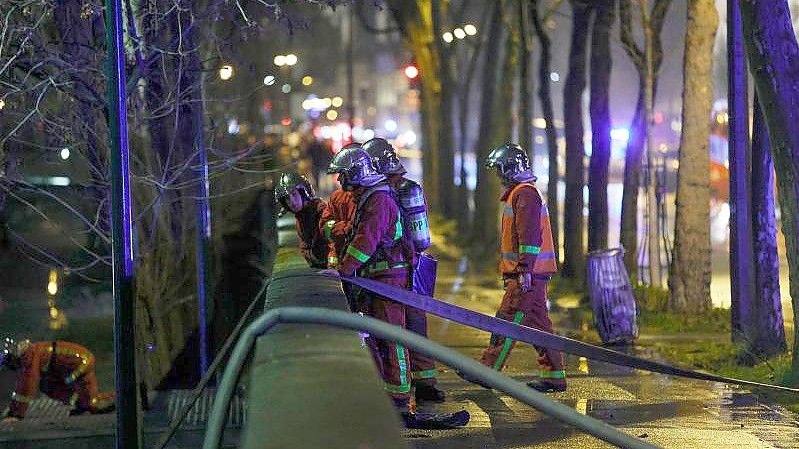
411,71
286,121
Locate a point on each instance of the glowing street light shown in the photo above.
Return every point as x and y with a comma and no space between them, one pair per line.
470,29
390,125
64,153
411,71
280,60
286,88
459,33
332,115
291,59
52,284
337,102
447,37
269,80
307,80
226,72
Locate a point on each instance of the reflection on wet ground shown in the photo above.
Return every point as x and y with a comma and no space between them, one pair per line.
667,411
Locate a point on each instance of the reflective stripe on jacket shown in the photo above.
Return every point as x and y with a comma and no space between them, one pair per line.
526,244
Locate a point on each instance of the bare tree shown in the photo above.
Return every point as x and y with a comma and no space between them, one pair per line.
774,63
639,127
690,270
574,251
601,64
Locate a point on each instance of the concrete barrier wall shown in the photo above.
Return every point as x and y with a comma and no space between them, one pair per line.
314,386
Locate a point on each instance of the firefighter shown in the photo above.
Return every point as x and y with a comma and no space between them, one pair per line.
294,193
377,248
423,368
527,262
62,370
336,220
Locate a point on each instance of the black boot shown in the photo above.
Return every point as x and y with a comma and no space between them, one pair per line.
548,385
429,393
435,421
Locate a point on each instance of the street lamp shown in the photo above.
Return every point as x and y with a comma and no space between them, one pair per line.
336,102
307,80
459,33
470,29
64,153
411,71
291,59
447,37
226,72
280,60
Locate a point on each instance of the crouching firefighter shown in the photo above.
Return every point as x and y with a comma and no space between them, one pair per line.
294,193
378,249
527,262
414,213
61,370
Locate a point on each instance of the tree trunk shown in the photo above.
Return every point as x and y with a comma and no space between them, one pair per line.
774,63
415,20
446,138
487,193
574,252
525,113
690,269
545,95
769,329
600,125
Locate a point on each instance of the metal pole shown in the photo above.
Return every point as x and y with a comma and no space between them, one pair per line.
128,433
203,224
350,73
741,244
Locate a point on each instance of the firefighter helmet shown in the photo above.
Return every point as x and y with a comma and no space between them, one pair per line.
11,352
355,168
512,164
384,157
290,181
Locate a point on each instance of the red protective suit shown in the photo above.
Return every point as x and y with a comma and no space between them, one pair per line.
526,248
61,370
313,244
336,223
379,250
423,368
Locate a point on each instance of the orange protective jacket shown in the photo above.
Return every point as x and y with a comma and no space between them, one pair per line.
527,245
62,368
336,223
313,244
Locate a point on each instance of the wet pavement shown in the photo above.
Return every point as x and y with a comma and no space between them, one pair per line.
666,411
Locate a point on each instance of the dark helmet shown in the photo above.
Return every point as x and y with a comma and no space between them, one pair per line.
355,167
512,164
287,183
11,352
384,157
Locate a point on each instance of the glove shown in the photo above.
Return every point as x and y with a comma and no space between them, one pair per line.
525,282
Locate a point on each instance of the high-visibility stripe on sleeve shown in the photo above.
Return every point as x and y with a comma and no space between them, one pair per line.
426,374
329,230
546,256
398,228
529,249
356,253
508,211
21,398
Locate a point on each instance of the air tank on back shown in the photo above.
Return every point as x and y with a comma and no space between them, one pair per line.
411,199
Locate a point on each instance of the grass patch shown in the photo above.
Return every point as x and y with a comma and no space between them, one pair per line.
654,316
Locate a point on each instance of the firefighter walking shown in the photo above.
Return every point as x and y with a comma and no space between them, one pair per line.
410,194
527,262
61,370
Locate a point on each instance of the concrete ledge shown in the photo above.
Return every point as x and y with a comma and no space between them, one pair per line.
314,386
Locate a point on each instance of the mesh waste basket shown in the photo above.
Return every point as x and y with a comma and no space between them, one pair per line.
612,298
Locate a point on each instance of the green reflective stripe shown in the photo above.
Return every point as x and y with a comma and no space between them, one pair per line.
554,374
383,266
398,228
529,249
354,252
508,342
426,374
402,362
510,256
329,230
20,398
508,211
398,388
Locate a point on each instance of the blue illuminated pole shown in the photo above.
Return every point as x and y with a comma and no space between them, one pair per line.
203,229
128,433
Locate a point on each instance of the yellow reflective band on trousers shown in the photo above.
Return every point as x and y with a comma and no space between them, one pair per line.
426,374
508,342
354,252
552,374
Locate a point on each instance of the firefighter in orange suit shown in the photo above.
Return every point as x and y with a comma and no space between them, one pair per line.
527,262
336,221
62,370
423,368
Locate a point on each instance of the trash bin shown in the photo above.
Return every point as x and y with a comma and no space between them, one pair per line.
612,299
